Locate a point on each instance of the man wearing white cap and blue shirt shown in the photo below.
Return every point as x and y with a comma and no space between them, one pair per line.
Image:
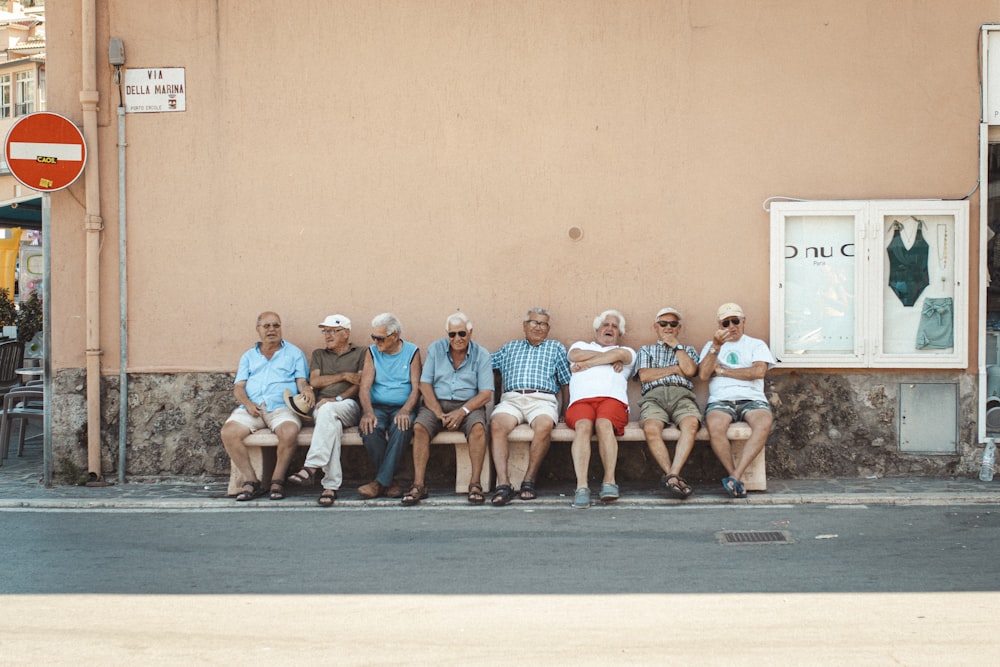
734,365
335,375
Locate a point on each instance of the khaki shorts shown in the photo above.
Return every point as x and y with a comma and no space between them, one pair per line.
272,419
433,425
668,404
526,407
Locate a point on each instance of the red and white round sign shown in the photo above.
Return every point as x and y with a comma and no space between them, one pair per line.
45,151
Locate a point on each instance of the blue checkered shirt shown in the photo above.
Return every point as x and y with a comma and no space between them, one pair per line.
661,356
526,366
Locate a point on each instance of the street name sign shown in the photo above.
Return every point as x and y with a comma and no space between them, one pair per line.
155,89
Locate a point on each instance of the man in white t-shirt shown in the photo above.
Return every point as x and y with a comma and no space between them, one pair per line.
734,365
598,400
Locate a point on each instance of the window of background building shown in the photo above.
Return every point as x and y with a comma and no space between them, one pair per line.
870,283
25,93
5,96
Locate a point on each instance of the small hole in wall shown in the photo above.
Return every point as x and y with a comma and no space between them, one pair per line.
575,233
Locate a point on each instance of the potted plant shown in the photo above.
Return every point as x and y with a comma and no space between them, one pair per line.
29,322
8,311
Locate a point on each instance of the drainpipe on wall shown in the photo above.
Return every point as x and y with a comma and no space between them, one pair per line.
984,273
123,299
93,224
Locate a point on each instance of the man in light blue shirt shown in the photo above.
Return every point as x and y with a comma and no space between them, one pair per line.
265,371
456,383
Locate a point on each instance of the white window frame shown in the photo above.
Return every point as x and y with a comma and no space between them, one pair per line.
868,303
24,102
6,99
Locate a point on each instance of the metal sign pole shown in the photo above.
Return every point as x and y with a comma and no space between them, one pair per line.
47,338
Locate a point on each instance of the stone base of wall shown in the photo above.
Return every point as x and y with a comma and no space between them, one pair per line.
847,425
827,425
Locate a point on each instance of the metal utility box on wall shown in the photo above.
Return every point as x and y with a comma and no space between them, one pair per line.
928,418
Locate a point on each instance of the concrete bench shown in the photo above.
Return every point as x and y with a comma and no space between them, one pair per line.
755,478
262,447
263,443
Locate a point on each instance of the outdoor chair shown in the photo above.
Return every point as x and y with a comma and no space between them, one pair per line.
11,352
21,404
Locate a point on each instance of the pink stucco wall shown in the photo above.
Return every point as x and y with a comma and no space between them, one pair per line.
422,157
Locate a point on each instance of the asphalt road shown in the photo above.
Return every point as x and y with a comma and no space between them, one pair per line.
515,550
550,586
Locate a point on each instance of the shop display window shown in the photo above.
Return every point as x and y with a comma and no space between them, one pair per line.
870,283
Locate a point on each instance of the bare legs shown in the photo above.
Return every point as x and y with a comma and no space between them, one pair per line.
653,430
718,422
232,439
607,447
477,452
287,433
500,428
422,452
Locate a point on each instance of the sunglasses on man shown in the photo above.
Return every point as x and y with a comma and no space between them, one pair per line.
667,323
460,334
732,322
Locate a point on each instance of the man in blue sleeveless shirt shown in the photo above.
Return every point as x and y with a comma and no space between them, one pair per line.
390,388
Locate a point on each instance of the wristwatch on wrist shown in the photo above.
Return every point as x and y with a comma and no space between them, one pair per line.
679,348
465,409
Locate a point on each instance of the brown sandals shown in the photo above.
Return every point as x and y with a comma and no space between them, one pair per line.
416,493
476,496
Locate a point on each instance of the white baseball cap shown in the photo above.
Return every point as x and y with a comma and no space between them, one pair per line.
729,310
336,321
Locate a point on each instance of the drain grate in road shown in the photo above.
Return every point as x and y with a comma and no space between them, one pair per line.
738,537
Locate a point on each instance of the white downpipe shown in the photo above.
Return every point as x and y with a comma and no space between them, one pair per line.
984,190
93,224
122,303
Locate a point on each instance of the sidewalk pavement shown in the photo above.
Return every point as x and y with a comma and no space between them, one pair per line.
21,487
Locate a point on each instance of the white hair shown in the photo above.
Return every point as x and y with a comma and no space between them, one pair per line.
458,318
600,319
536,311
389,321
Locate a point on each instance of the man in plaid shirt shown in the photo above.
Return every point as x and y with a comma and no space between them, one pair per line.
535,370
665,371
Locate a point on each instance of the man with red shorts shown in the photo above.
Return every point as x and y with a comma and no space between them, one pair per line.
598,400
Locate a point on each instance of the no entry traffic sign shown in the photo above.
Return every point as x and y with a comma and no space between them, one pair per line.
45,151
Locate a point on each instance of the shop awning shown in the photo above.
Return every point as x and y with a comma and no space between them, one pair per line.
25,214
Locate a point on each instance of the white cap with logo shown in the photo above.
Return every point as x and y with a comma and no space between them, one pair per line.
336,321
729,310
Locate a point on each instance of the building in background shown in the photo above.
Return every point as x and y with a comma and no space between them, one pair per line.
22,91
423,158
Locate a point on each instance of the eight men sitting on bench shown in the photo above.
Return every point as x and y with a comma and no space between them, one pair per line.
538,377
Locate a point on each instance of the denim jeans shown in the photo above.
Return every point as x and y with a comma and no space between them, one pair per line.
387,444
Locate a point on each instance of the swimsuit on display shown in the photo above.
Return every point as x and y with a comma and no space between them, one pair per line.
908,266
937,324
